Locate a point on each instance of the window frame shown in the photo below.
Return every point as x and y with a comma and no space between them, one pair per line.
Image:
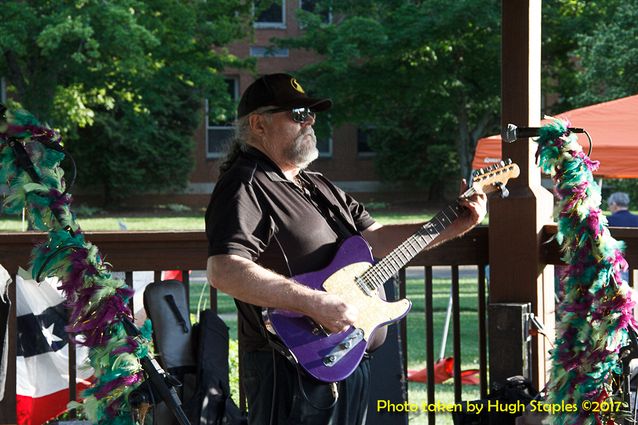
208,140
256,52
276,25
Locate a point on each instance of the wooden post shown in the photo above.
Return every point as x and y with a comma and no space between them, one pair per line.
8,414
517,270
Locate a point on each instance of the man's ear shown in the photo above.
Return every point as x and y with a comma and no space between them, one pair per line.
256,122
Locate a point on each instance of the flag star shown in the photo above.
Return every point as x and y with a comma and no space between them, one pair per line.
49,335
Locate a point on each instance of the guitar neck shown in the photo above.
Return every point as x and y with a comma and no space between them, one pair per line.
378,274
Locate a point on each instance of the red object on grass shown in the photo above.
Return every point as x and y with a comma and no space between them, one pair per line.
444,370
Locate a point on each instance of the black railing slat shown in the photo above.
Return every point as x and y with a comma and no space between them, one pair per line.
72,374
213,300
429,341
403,329
187,286
456,330
128,279
482,319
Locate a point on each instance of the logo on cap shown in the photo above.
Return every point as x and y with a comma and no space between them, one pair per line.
295,85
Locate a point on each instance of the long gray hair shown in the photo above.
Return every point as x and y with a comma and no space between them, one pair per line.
241,140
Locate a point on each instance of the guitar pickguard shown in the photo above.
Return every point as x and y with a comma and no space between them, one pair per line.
373,311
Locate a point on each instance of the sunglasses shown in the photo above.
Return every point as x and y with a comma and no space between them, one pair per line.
298,115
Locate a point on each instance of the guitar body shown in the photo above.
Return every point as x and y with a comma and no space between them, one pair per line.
333,357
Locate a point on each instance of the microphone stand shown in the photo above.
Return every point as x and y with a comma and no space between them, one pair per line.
161,382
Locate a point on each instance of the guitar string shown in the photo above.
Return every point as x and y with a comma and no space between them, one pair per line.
378,274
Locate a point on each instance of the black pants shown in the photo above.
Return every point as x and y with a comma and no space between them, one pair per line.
290,405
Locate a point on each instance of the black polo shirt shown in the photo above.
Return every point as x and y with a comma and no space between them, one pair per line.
256,213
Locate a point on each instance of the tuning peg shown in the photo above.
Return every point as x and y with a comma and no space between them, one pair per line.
503,189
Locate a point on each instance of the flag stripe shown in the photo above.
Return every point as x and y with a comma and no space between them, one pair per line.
42,363
49,372
38,410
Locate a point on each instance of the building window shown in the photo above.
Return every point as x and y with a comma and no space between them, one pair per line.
273,16
268,52
311,6
219,121
363,141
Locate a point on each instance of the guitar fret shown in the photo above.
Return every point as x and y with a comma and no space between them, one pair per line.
420,244
400,255
371,285
410,247
394,261
433,234
378,274
415,245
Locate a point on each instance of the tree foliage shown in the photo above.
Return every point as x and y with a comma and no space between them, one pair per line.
569,27
609,57
424,75
124,81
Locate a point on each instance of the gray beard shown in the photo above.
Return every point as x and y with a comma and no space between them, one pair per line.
302,153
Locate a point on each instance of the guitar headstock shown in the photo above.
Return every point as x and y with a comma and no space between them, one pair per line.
494,177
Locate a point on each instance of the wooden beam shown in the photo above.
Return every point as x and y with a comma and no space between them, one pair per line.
518,273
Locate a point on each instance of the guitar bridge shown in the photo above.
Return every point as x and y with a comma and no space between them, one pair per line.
343,348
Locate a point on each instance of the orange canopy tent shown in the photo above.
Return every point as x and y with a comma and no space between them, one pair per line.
613,127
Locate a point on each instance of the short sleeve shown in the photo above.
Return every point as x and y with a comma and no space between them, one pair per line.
360,215
235,221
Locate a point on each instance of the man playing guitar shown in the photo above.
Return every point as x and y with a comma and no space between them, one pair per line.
270,219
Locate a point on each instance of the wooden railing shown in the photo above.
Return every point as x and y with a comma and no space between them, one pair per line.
156,251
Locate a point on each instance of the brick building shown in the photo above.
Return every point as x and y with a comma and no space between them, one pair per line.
345,156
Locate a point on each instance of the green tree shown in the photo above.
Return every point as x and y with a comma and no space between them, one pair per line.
567,24
424,75
609,57
124,81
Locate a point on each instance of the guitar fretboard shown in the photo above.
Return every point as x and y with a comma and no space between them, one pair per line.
378,274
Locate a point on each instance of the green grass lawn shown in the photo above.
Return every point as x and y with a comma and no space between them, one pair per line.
190,221
115,223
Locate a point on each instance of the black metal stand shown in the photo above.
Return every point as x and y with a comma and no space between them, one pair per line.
158,379
161,383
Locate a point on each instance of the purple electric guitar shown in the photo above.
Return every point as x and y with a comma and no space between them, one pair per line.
354,276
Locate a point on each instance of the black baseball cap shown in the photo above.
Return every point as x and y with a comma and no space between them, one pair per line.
281,91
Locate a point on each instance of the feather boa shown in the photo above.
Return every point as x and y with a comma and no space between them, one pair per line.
596,314
95,299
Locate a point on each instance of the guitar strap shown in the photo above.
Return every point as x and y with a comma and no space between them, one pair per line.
331,212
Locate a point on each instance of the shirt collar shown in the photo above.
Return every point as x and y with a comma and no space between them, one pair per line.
270,168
